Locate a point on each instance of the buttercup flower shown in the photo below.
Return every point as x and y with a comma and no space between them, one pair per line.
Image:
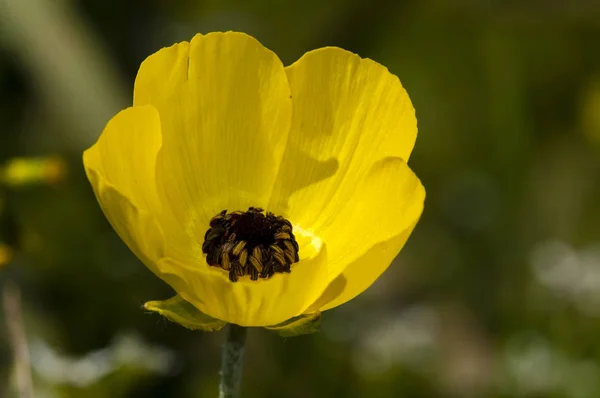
260,192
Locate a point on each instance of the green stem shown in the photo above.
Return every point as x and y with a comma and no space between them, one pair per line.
232,362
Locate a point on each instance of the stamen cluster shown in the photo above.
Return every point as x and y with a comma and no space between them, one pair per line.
250,243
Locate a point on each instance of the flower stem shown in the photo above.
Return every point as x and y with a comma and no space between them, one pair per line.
232,362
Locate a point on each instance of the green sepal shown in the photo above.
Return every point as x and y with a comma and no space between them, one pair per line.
180,311
303,324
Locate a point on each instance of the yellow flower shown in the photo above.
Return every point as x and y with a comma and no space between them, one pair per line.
6,255
219,123
19,172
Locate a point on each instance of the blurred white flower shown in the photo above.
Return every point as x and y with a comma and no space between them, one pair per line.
125,350
572,275
407,338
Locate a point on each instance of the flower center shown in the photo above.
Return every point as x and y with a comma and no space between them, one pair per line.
250,243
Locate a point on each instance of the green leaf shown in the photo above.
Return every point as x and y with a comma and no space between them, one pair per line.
180,311
303,324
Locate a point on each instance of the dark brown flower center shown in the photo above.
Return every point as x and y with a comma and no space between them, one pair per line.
250,243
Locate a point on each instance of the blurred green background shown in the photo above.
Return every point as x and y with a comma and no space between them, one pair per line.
497,293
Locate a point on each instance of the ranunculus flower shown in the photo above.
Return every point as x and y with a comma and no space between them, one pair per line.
220,130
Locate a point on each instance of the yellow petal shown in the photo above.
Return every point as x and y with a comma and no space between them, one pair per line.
361,274
344,174
386,203
381,216
121,168
136,227
349,112
224,102
253,303
125,155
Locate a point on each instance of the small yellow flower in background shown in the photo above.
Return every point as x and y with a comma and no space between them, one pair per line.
6,255
258,192
23,171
